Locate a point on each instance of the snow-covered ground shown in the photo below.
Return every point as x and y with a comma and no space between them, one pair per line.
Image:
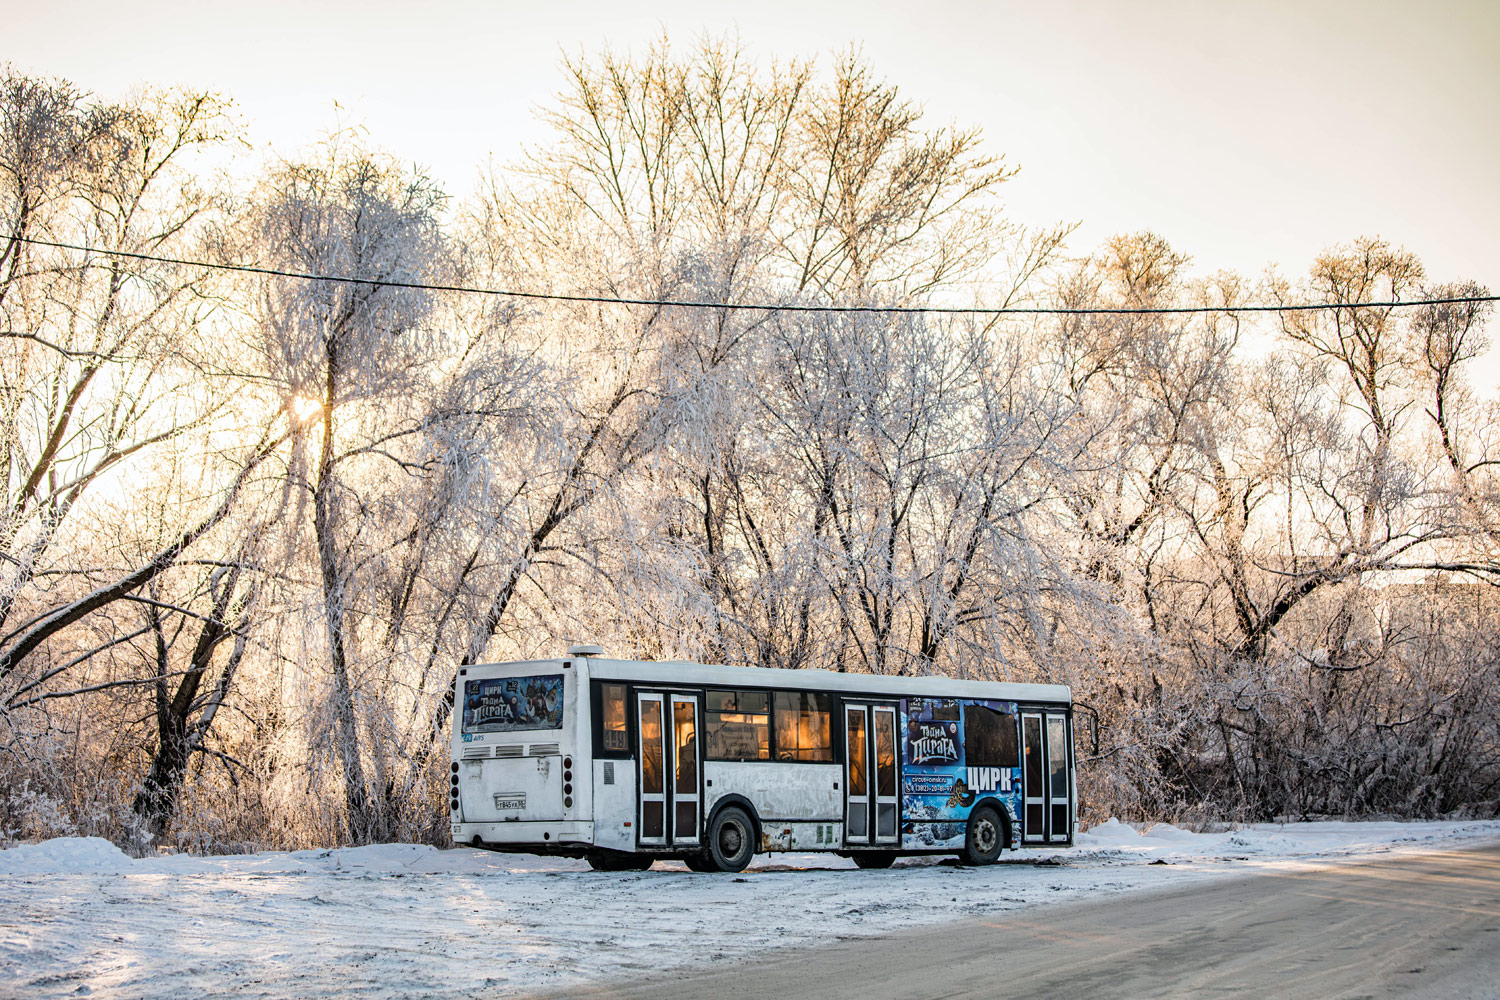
80,918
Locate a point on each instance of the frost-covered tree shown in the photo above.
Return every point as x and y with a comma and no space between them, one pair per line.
405,404
101,350
350,357
1448,338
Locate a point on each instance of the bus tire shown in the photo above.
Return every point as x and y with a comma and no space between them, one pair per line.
731,840
874,859
617,861
985,838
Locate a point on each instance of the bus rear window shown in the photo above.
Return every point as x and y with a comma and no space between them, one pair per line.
513,704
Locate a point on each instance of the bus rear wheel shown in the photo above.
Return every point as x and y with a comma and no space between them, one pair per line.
986,837
874,859
731,840
617,861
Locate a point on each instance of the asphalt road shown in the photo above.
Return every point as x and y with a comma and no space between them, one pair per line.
1423,926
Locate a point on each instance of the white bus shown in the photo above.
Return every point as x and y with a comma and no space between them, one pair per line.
625,762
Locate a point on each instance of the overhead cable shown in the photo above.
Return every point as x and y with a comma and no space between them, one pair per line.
771,306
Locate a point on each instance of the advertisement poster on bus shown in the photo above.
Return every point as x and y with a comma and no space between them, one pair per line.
512,704
939,783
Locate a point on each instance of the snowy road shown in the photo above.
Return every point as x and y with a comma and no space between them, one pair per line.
78,918
1424,926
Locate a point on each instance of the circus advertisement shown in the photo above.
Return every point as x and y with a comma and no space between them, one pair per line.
512,704
945,768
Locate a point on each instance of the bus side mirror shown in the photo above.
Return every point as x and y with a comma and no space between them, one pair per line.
1093,725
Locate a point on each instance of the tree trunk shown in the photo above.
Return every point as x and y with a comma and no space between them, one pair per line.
356,795
156,802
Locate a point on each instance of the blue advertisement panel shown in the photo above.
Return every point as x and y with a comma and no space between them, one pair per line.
511,704
954,751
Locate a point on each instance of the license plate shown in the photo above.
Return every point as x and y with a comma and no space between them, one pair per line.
515,800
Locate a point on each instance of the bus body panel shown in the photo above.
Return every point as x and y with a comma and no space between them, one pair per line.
523,789
796,836
531,838
780,792
614,804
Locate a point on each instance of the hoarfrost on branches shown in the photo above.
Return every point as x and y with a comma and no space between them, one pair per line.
256,522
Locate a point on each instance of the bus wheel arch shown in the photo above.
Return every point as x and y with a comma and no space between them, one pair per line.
1008,839
987,833
733,799
732,834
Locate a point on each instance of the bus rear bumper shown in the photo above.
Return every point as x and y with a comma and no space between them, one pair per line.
530,836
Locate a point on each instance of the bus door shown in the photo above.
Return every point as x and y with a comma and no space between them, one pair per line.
1048,788
870,779
671,804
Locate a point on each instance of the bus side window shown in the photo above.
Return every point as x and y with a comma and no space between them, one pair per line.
990,738
804,726
612,702
738,725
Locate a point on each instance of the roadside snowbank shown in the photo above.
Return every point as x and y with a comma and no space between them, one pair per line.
66,855
1112,840
1328,839
78,916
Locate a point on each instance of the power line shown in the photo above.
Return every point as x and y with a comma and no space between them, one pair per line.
767,306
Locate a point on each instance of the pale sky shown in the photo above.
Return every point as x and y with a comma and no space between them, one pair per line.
1245,133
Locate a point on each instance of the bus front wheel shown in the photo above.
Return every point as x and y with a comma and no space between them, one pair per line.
986,837
731,840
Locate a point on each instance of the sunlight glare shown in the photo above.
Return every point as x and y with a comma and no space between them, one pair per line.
304,409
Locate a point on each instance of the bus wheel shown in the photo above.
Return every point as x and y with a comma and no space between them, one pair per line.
731,840
874,859
986,835
618,861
